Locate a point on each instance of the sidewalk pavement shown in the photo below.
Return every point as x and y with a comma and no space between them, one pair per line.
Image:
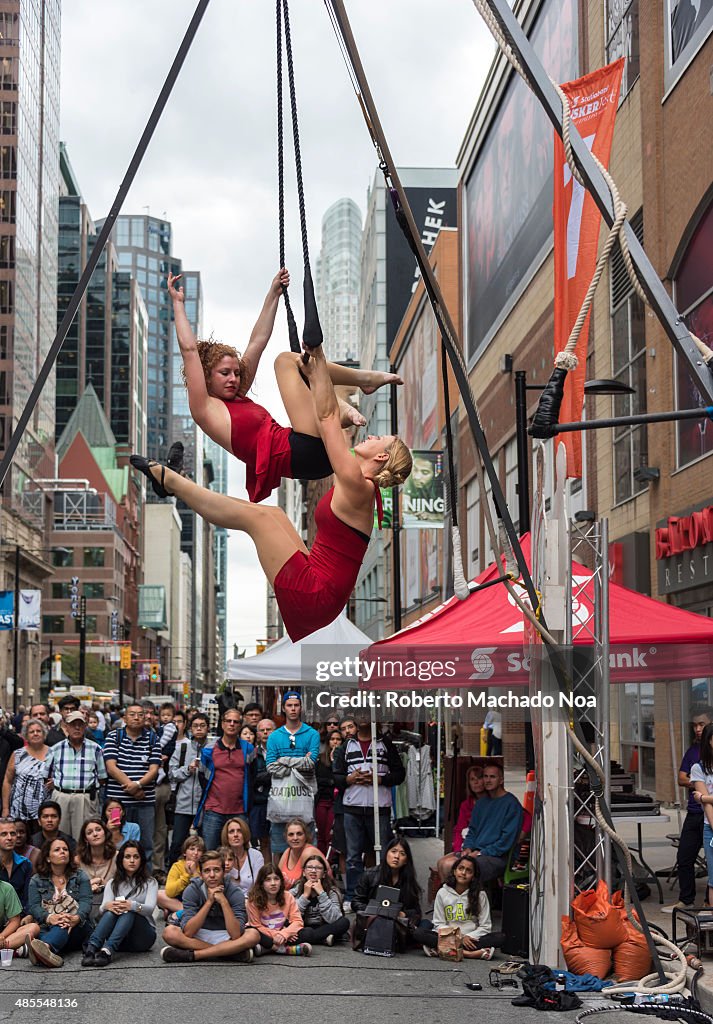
659,854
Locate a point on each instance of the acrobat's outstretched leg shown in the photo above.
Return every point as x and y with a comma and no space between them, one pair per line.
273,534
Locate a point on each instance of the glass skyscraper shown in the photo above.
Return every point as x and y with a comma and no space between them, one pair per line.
338,280
29,192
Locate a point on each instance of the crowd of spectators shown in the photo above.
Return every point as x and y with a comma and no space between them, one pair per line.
257,841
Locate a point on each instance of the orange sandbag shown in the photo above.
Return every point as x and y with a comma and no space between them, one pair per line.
632,959
599,922
581,959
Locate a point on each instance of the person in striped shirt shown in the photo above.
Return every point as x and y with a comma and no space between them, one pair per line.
133,757
75,767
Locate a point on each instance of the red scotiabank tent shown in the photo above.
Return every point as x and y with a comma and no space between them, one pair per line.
482,639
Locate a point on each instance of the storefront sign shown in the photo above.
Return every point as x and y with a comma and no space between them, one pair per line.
684,550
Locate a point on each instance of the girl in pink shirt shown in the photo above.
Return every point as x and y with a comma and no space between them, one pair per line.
275,914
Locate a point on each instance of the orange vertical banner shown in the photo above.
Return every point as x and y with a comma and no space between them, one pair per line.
593,104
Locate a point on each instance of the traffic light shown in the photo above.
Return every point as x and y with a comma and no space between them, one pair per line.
154,672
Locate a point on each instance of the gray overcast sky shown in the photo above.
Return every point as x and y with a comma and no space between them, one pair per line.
211,167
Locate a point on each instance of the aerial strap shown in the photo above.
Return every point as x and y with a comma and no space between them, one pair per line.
102,239
460,583
312,334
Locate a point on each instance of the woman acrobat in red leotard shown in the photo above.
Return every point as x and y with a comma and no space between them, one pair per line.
218,379
311,587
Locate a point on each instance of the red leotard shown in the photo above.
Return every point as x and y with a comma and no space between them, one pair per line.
261,443
311,590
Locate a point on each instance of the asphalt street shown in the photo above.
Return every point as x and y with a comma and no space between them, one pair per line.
333,985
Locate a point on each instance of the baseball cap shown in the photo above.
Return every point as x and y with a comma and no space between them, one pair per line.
291,695
74,716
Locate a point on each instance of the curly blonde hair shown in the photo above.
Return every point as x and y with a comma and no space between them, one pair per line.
210,353
397,467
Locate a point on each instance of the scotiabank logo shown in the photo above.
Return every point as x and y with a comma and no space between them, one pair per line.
482,663
684,533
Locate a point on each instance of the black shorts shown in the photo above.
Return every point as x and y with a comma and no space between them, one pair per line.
309,459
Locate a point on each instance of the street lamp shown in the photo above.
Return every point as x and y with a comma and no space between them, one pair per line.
591,387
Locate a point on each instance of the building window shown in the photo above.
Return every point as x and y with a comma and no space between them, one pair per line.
62,557
623,39
7,297
61,590
7,252
472,504
638,734
629,367
94,557
53,623
694,298
7,206
688,23
8,162
93,590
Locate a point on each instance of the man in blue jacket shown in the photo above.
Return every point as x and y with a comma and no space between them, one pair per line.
292,747
494,826
227,766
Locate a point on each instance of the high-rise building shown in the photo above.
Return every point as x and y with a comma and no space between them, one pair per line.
144,249
143,246
218,459
107,342
338,280
29,189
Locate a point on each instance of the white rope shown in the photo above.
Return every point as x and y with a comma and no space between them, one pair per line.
460,583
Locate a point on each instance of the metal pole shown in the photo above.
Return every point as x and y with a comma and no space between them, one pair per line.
395,518
603,702
16,632
82,639
439,720
121,672
544,90
375,785
50,669
631,421
523,457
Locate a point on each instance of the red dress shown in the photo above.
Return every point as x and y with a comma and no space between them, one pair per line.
311,590
262,444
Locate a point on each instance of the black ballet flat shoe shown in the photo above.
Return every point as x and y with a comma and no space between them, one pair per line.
174,460
144,466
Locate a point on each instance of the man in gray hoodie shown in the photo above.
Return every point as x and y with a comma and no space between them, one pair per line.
185,777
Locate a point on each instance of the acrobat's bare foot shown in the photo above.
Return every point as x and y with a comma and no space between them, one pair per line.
375,379
350,417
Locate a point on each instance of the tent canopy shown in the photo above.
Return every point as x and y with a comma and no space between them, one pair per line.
649,640
285,662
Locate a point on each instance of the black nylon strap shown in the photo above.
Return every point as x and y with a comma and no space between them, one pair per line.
291,324
102,238
312,334
452,492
